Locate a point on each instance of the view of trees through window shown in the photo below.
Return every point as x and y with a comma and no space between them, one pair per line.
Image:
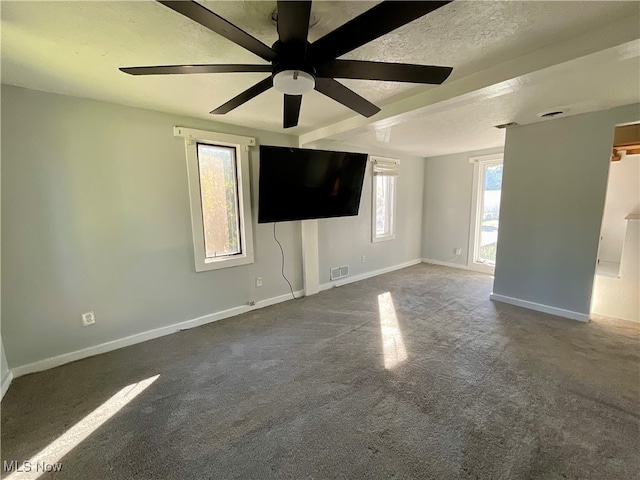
492,188
219,195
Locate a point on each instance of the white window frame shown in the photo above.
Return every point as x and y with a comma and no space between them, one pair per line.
475,223
241,144
386,167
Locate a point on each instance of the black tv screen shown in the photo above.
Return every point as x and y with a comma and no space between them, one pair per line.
301,184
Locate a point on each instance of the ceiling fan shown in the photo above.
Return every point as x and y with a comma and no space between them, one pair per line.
297,66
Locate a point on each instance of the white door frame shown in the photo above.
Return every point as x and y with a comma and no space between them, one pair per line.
475,220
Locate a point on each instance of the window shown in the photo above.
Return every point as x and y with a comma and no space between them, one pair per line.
486,211
383,218
219,198
217,166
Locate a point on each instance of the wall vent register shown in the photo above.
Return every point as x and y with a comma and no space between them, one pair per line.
339,272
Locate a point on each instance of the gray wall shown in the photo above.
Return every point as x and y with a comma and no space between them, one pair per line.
448,185
553,193
343,241
95,216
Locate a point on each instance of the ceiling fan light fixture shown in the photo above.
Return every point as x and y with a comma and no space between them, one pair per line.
294,82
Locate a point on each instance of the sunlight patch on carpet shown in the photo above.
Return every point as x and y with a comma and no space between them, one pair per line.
47,459
392,341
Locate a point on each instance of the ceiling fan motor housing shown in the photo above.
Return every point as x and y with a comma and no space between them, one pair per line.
292,74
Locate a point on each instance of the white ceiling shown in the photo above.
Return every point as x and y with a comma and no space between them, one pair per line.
75,48
602,80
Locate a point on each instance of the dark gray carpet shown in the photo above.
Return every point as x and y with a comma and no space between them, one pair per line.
300,390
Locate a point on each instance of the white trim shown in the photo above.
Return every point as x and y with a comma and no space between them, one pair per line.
385,165
462,266
449,264
388,167
581,317
473,213
491,157
310,255
144,336
5,384
222,138
241,146
598,316
475,220
373,273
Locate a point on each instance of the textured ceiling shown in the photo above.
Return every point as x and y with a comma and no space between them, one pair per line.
75,48
595,82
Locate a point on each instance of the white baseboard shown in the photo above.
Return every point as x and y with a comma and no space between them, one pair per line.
52,362
581,317
5,384
446,264
599,316
373,273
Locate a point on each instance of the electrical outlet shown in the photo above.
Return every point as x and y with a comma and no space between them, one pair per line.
88,319
363,258
457,251
258,281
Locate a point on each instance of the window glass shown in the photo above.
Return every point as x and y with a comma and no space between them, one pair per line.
384,205
219,196
489,211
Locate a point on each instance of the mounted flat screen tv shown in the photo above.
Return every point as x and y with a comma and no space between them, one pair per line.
301,184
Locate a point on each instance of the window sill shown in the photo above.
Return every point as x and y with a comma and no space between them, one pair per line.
203,265
383,239
483,267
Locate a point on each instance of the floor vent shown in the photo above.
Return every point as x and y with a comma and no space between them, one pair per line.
339,272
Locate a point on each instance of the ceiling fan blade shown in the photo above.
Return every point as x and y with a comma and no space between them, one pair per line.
391,72
245,96
219,25
293,21
291,110
345,96
188,69
375,22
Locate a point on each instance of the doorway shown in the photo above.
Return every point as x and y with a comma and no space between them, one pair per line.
617,283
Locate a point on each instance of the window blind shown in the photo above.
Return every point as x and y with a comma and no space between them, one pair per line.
386,166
